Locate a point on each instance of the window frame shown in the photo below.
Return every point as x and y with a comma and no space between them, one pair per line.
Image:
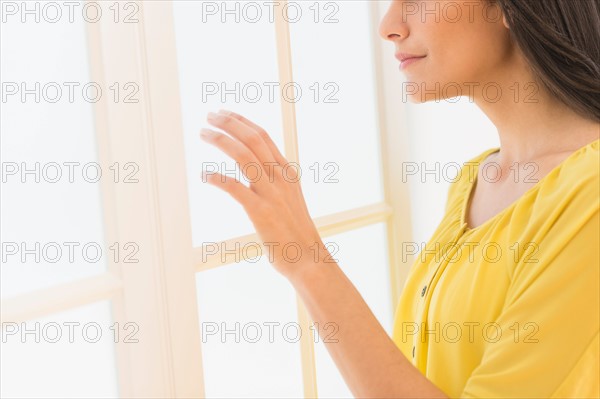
155,212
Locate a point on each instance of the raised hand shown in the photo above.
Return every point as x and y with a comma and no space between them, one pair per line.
274,201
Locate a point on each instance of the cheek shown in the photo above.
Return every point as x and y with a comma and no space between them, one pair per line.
463,52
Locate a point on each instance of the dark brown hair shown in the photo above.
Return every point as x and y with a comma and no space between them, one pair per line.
561,41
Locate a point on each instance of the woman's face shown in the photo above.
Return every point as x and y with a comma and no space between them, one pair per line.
466,45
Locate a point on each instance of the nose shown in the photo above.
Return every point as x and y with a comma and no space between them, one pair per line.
393,25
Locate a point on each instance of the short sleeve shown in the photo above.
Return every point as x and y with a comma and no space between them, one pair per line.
548,342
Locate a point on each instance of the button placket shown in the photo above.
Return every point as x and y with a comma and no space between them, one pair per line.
423,303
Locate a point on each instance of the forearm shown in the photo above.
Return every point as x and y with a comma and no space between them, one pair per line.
369,361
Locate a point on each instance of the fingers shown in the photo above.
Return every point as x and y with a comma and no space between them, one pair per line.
242,194
244,133
262,133
237,151
248,144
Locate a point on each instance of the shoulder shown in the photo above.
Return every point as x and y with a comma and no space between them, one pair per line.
563,210
573,187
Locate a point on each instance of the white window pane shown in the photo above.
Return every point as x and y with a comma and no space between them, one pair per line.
263,361
49,131
66,355
222,64
338,133
362,255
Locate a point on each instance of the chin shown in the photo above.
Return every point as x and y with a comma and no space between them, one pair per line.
417,99
414,92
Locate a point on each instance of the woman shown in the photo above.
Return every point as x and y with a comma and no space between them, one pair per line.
519,319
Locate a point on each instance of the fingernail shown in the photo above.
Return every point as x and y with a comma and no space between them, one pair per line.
213,117
205,133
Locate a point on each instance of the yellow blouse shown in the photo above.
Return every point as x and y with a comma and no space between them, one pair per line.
510,308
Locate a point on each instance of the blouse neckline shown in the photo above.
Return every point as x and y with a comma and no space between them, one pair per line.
469,191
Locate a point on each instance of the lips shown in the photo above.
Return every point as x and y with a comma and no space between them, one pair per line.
405,56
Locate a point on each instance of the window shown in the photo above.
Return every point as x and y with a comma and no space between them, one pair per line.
102,105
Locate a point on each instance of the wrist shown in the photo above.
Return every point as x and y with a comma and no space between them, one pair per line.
312,268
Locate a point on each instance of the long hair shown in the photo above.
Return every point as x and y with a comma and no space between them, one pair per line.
561,42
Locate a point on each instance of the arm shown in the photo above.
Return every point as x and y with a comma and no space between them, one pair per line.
371,364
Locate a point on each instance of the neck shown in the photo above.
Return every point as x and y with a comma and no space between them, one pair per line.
531,123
